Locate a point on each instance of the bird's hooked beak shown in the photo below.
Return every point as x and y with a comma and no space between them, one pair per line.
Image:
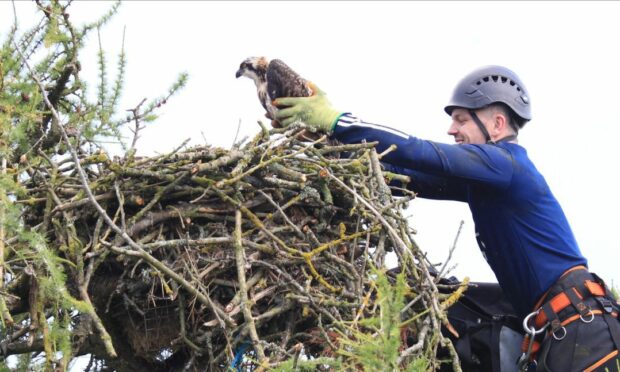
239,73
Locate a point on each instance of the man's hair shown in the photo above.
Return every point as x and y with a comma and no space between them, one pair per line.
514,120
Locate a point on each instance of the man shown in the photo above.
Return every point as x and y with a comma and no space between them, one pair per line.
520,226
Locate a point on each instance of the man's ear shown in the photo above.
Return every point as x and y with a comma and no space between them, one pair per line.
500,121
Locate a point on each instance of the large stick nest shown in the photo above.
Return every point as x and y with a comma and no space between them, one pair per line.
253,255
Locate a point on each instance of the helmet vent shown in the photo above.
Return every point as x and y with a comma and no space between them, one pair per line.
496,78
503,80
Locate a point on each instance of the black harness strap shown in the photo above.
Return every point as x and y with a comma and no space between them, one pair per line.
610,305
578,304
554,321
614,328
496,330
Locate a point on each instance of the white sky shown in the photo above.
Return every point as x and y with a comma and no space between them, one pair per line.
394,63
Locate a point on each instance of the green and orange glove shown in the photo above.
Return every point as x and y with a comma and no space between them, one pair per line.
315,111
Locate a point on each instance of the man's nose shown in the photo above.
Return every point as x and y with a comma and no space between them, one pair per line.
452,129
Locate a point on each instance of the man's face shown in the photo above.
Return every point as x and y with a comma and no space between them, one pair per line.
464,129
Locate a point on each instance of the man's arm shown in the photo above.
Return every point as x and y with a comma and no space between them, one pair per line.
427,186
468,164
473,164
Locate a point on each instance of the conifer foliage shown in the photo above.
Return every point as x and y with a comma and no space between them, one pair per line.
269,255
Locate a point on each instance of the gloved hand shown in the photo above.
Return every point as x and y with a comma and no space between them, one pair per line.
314,111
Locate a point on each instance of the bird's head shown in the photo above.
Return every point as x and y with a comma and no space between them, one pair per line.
253,67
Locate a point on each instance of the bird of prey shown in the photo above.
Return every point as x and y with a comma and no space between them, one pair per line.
273,79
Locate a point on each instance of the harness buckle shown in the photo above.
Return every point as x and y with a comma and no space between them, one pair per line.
606,304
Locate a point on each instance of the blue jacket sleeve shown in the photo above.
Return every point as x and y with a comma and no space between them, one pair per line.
487,165
427,186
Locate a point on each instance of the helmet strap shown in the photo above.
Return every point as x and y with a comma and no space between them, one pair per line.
481,126
508,138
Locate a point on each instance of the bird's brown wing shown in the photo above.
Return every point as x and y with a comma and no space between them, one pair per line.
282,81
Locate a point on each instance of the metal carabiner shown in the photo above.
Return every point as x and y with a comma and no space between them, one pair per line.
523,365
532,330
524,362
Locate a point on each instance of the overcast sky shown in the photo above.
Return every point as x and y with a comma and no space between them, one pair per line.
394,63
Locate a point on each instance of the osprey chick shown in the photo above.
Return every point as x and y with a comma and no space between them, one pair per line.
273,80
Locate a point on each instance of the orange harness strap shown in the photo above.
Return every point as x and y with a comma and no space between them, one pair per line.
562,300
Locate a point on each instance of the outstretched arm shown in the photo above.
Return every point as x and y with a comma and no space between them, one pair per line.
427,186
468,164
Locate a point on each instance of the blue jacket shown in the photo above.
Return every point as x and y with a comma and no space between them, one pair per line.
520,226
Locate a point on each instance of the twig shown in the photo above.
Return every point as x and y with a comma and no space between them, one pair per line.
393,234
456,238
185,242
135,111
243,291
418,345
236,134
263,164
121,205
284,216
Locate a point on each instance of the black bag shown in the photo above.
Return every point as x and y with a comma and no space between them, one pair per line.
490,333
